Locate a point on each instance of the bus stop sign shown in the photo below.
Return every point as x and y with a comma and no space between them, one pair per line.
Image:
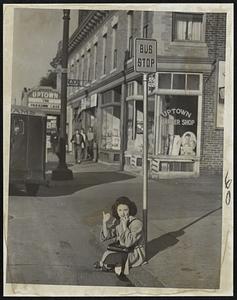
145,55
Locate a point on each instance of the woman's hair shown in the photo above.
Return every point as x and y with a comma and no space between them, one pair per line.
126,201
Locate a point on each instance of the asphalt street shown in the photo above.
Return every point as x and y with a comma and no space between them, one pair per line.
53,238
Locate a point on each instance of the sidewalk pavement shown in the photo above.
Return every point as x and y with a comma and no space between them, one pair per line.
184,226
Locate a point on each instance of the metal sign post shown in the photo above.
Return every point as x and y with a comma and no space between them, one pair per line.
145,62
145,169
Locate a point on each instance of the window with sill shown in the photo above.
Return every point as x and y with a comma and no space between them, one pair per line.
83,68
114,47
77,71
135,125
112,96
130,34
187,27
88,64
179,81
110,139
104,54
95,62
134,88
145,24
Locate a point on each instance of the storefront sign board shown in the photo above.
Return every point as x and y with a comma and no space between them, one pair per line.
47,99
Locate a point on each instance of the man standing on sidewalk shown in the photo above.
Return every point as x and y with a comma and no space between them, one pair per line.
90,139
77,140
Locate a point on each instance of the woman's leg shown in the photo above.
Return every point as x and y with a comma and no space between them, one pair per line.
116,259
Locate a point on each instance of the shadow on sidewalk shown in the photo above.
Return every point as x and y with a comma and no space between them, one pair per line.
79,182
170,239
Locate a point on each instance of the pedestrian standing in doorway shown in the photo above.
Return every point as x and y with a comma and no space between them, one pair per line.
77,140
90,139
126,232
53,140
84,144
57,149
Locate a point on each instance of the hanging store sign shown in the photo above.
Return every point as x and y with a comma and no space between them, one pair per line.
145,55
77,82
151,82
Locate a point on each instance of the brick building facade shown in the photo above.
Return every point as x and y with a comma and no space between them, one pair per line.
213,136
183,139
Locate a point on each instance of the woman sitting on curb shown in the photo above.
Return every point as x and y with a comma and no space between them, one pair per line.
126,230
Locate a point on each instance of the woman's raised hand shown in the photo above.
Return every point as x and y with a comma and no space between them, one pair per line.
106,217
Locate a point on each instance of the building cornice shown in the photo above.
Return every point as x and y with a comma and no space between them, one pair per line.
94,19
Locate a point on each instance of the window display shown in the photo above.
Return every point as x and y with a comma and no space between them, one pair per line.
110,139
135,126
178,125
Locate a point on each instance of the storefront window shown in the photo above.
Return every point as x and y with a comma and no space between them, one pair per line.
135,126
110,139
178,125
164,81
130,113
179,81
107,97
117,94
131,88
193,82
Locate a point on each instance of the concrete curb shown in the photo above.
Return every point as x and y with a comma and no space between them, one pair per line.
143,278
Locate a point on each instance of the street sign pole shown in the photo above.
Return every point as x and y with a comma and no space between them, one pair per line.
145,170
145,55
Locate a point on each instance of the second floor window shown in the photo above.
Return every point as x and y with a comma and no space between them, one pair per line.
83,69
104,53
145,24
77,70
114,47
95,62
88,63
187,27
130,33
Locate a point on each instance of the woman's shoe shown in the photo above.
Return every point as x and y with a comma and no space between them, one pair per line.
97,265
122,277
102,268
